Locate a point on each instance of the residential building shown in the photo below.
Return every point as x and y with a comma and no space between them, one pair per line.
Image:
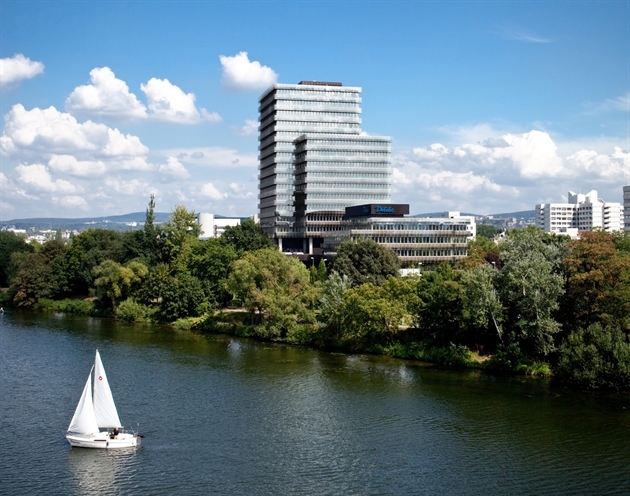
582,212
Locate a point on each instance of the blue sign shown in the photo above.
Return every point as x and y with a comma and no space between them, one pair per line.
383,210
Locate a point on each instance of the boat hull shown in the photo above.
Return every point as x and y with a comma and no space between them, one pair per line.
104,441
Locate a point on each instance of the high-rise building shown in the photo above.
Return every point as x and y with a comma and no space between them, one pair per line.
322,181
626,207
327,118
582,212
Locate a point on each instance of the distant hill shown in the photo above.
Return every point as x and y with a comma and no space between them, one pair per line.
124,222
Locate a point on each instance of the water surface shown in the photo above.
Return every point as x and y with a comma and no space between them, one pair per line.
223,415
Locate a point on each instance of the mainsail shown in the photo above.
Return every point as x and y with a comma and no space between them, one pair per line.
84,420
104,407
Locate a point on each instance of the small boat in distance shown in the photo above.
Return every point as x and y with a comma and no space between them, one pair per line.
96,413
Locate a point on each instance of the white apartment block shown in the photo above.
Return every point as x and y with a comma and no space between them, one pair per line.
582,212
626,207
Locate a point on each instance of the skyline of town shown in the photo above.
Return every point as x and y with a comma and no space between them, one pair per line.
492,107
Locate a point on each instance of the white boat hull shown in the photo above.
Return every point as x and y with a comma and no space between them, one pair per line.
104,441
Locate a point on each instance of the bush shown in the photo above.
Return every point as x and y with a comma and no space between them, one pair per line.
79,307
132,311
595,358
512,360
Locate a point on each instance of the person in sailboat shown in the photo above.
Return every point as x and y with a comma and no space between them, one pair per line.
114,434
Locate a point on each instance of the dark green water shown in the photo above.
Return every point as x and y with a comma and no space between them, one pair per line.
227,416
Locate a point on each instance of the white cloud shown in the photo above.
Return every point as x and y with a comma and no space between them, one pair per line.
174,168
38,177
209,190
18,67
619,104
168,102
215,156
505,173
239,74
106,96
69,164
45,132
129,187
521,35
72,202
249,129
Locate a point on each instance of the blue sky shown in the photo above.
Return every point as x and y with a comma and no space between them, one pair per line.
492,106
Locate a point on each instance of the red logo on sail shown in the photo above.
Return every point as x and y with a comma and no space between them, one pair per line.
100,377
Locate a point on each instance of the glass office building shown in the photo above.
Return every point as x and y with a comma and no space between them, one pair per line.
324,116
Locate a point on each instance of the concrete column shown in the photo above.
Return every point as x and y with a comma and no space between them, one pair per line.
310,246
280,244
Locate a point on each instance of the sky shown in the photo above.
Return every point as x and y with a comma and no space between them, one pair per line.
493,106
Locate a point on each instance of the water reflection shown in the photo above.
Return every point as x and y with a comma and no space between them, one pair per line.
101,472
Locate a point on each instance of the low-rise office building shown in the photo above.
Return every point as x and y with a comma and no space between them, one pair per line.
626,207
213,227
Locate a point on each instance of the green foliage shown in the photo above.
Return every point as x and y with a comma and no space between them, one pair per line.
488,231
132,311
369,316
10,243
209,262
531,286
598,281
595,358
179,231
440,318
181,297
330,306
276,290
247,236
86,251
365,261
33,279
482,307
114,281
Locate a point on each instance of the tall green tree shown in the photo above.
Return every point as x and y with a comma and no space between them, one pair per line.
115,282
179,231
86,251
598,281
277,292
482,306
365,261
247,236
10,243
210,262
531,285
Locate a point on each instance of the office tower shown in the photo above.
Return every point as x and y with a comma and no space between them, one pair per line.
315,112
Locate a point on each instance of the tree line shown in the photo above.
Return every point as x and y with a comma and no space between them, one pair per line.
534,303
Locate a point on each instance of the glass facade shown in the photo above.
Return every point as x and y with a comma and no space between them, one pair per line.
287,111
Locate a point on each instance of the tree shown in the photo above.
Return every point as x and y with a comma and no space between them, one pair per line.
488,231
181,229
181,297
595,358
209,261
330,305
440,308
86,251
247,236
531,285
114,282
369,316
598,281
482,307
365,261
276,290
481,251
33,279
10,243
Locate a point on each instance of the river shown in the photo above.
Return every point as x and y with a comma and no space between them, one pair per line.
223,415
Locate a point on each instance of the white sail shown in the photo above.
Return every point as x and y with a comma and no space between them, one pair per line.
104,407
84,420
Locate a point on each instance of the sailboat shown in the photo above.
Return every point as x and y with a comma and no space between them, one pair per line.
96,413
